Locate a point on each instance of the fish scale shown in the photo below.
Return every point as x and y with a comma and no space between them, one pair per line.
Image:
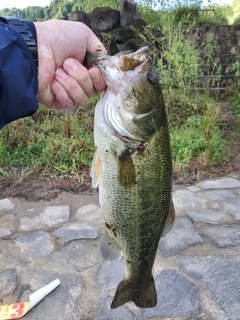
133,168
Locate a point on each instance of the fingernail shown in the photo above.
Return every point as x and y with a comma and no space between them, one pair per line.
61,74
70,64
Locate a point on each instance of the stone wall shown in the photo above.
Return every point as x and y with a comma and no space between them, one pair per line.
113,27
226,43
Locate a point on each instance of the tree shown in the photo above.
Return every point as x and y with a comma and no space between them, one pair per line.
47,13
64,9
34,13
14,12
236,12
169,5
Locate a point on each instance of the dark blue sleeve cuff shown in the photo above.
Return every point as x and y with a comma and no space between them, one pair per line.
32,28
18,77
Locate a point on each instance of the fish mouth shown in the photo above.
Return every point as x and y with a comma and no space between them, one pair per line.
127,62
121,61
132,60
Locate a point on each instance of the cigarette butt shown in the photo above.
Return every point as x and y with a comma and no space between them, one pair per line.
37,296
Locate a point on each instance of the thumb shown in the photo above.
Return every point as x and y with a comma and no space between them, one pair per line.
95,45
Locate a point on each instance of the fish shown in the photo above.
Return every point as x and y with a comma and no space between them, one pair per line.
132,167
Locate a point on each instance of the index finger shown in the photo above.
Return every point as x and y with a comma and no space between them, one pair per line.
98,81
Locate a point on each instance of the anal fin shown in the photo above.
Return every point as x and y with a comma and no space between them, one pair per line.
109,247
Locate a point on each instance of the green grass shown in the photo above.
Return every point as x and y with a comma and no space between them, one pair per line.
49,144
190,15
62,146
198,143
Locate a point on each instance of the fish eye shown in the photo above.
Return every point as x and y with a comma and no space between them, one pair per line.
152,78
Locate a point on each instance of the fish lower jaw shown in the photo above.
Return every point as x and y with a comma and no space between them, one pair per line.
130,141
123,135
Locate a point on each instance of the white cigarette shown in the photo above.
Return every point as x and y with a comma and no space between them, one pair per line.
37,296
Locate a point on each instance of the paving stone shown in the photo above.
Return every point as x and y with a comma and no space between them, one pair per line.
91,212
182,236
220,276
219,195
4,232
52,216
237,191
215,205
220,183
177,297
63,303
7,225
223,236
7,260
6,205
8,282
73,257
106,313
186,199
34,245
206,216
193,188
75,231
38,263
233,208
110,274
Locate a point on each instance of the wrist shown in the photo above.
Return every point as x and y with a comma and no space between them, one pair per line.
27,31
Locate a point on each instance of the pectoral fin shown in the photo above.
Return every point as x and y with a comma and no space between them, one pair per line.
109,247
96,172
126,169
170,221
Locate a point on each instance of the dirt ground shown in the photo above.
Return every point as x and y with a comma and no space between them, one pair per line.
38,188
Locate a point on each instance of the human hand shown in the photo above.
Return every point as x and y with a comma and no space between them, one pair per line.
63,80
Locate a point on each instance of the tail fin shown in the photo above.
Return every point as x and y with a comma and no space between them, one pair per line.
143,297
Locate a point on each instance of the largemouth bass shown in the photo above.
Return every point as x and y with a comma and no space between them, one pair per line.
133,168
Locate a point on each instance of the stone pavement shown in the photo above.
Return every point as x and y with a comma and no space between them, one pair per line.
197,268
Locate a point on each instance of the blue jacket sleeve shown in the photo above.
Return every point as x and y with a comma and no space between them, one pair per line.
18,77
